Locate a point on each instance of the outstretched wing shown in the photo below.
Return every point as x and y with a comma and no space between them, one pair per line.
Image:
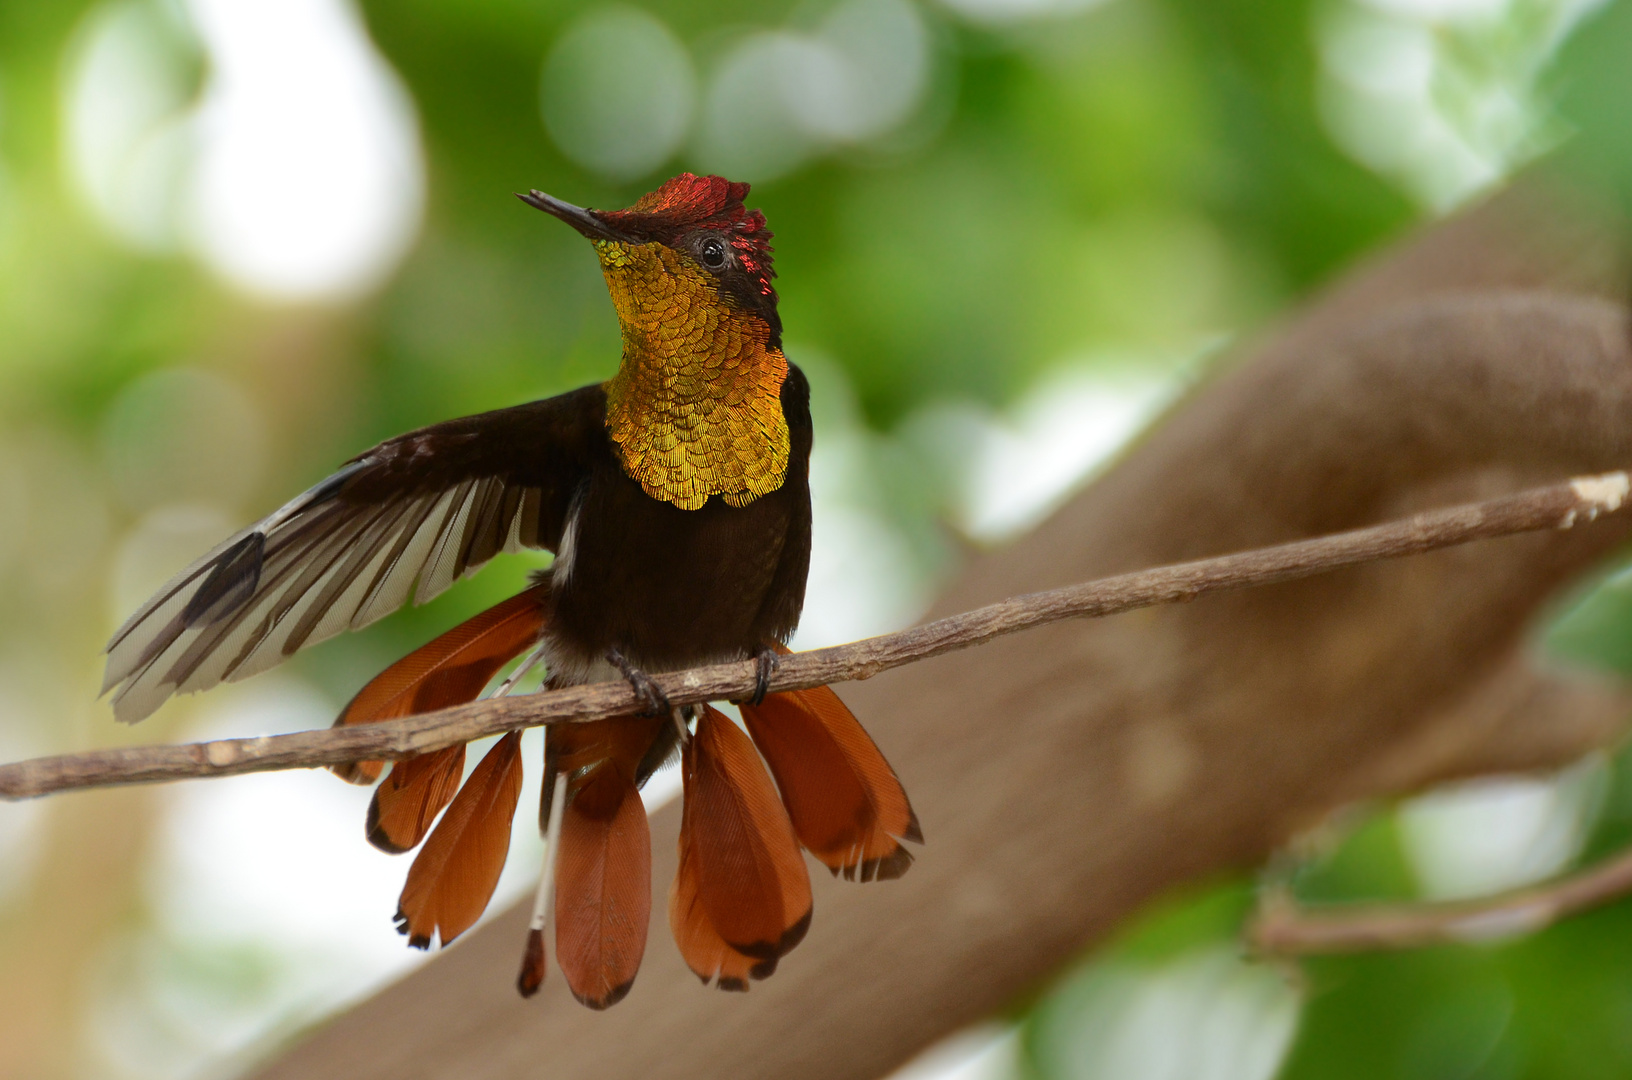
429,507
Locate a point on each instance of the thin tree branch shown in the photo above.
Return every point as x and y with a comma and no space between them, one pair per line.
1560,506
1281,927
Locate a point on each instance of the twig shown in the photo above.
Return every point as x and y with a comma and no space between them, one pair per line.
1282,928
1560,505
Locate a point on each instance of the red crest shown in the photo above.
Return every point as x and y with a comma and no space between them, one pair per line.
691,202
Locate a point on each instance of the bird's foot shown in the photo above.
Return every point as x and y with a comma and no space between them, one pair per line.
653,701
766,661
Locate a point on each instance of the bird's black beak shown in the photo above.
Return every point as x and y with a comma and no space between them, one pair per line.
584,221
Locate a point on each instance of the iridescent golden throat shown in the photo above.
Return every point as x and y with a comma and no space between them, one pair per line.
696,407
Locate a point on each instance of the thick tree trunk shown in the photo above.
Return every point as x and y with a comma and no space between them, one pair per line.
1066,776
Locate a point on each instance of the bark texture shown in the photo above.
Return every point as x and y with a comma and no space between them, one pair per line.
1066,776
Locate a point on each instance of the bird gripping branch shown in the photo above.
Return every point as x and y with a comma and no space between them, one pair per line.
675,497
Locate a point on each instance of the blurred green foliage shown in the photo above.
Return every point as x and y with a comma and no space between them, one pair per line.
1107,183
1553,1004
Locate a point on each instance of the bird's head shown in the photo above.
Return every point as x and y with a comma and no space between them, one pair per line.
695,408
690,244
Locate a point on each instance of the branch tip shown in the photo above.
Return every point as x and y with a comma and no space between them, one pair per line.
1602,494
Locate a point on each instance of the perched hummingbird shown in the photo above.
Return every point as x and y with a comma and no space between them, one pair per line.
675,497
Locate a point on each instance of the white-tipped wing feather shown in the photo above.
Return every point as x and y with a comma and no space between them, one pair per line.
425,509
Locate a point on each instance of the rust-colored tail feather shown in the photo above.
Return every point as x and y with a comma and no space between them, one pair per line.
454,875
603,899
750,876
704,950
413,793
450,670
847,806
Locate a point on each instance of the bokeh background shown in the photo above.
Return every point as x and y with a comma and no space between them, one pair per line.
241,240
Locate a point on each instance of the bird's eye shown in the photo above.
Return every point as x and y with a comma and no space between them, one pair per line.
712,252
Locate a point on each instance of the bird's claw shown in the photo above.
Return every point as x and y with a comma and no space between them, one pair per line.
653,701
765,662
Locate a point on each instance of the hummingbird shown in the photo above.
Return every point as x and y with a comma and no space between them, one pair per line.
675,499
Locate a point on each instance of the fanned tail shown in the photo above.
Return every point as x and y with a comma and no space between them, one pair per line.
603,897
845,802
741,899
454,875
450,670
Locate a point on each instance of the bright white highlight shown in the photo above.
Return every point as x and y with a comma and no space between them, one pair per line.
297,174
310,180
1010,470
1484,836
129,139
1441,95
984,1052
280,858
865,577
1206,1015
22,824
270,909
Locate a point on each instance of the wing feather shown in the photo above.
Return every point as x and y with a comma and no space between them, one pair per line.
405,520
174,660
396,580
440,566
303,568
329,610
126,650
